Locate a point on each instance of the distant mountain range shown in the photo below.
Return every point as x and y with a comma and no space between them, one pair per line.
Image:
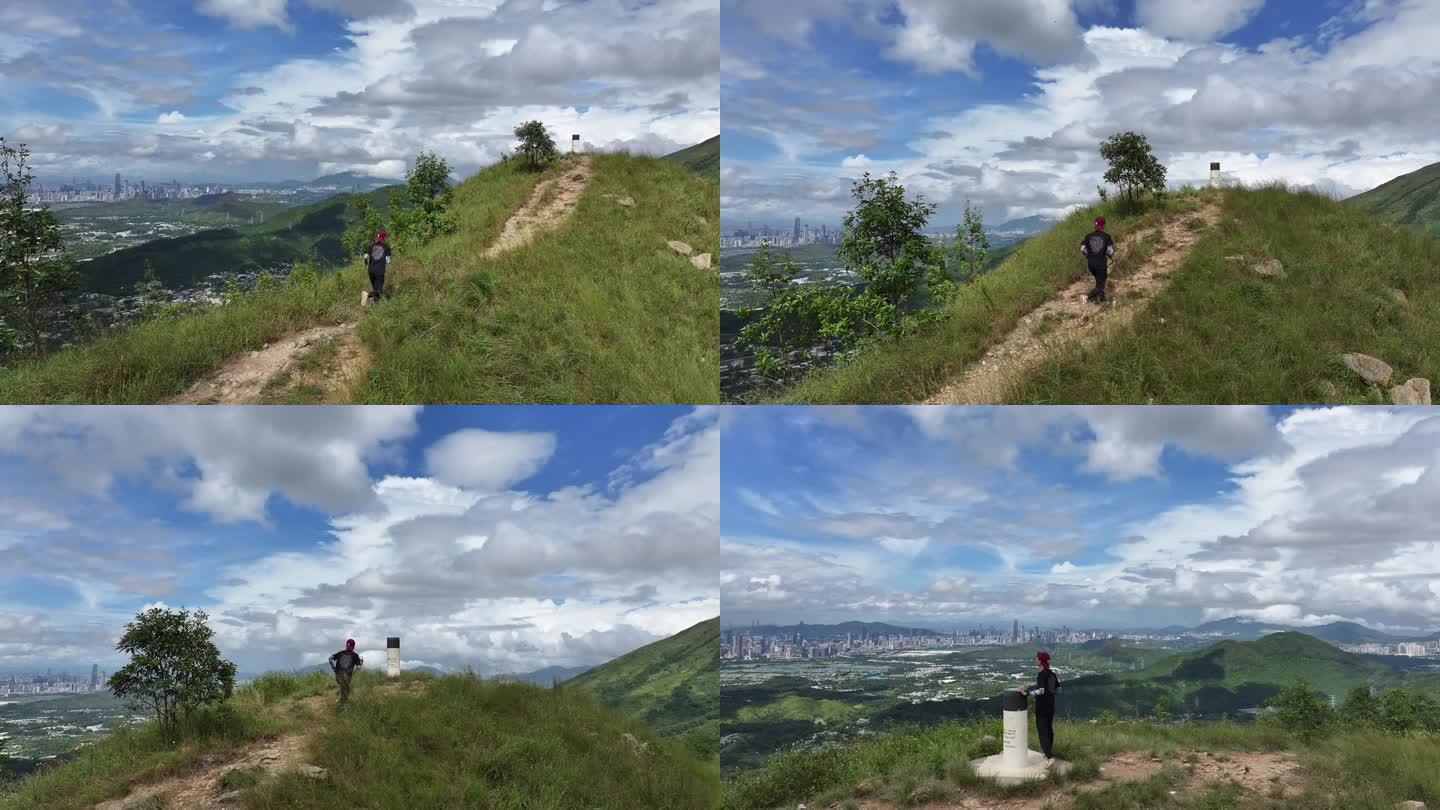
702,158
1027,225
1411,199
546,676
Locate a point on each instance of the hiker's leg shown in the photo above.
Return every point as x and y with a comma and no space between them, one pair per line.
1100,281
377,283
1045,724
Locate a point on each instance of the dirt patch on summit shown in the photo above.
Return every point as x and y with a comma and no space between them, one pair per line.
242,379
549,205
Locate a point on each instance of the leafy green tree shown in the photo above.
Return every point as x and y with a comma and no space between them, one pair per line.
1360,709
536,144
154,298
302,274
794,320
1133,167
1403,711
1162,707
174,666
969,253
37,281
1299,710
884,245
365,223
421,211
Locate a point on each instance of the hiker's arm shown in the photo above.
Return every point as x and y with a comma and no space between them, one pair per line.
332,662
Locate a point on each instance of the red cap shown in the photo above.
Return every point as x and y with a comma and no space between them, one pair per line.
1099,223
349,643
1043,656
380,235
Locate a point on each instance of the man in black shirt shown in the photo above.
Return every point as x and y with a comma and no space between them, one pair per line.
1046,684
344,663
1097,248
378,258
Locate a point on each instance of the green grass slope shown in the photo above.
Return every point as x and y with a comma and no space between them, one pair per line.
673,684
600,310
454,741
1277,659
1218,332
702,158
1355,770
1411,199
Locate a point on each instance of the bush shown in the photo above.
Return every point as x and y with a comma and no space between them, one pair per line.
1299,710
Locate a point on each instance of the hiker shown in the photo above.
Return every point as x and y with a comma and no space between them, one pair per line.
1097,248
379,258
344,663
1046,685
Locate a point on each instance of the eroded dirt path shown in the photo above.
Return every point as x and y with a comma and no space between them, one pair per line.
1068,318
1258,773
201,787
277,371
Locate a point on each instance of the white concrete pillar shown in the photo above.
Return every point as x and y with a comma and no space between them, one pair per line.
392,656
1214,175
574,144
1015,741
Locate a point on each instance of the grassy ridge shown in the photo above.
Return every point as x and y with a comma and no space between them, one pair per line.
1219,333
673,684
600,310
1411,199
913,368
454,741
1359,770
703,158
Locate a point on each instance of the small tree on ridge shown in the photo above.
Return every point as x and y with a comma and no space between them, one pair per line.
536,144
37,282
1133,166
174,666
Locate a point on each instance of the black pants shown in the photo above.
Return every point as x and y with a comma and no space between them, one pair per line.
377,281
1099,273
342,677
1045,724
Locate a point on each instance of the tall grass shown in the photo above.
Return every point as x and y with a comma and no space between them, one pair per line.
1221,333
913,368
599,311
910,766
417,741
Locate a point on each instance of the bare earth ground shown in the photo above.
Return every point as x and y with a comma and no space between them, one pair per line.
200,787
244,378
1068,317
1259,773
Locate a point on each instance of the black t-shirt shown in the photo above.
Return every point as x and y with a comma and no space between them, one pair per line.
1097,248
345,660
1048,681
376,255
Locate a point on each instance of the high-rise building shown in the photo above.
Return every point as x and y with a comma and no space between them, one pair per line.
94,677
797,229
1015,633
117,184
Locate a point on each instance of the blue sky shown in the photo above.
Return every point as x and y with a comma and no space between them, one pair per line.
504,538
291,89
1006,104
1114,516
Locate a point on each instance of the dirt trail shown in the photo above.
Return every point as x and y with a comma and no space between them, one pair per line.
244,379
201,786
1068,318
1258,773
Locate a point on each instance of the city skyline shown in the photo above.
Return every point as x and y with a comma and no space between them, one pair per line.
229,91
1008,107
1124,517
503,538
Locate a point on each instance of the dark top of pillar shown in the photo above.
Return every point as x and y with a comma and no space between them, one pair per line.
1214,167
392,642
1015,701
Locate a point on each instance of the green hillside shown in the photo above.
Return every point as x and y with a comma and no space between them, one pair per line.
1283,336
294,232
1411,199
672,684
1276,659
417,741
599,310
702,158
